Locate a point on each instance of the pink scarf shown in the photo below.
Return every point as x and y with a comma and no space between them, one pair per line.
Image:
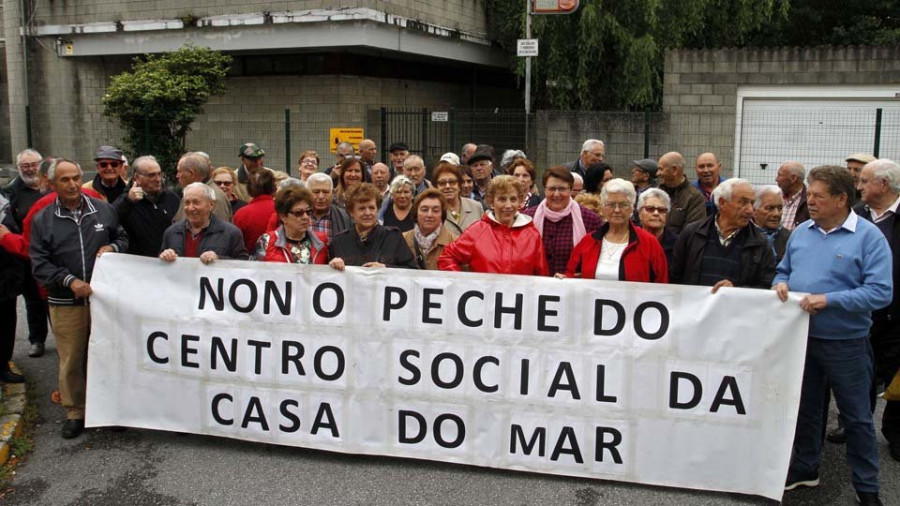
573,208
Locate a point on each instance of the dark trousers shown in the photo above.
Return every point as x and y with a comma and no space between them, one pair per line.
847,367
36,310
7,331
886,347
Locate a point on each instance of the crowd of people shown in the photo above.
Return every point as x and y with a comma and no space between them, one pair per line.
831,233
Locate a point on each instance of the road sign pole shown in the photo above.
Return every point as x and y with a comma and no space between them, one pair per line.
527,72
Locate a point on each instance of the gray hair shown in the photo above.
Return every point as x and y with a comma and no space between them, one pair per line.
763,191
726,189
577,177
590,143
291,181
653,193
412,159
795,168
320,177
139,163
511,154
399,181
51,171
208,192
196,163
617,186
888,171
345,145
26,152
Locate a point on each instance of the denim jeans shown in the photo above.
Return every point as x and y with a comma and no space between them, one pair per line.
847,367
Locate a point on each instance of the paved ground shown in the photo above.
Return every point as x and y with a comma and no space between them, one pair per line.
140,467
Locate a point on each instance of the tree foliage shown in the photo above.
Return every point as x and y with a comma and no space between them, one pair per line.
160,97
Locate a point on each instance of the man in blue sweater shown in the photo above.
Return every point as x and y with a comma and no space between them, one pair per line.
844,263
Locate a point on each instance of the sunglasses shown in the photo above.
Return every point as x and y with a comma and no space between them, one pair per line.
105,164
223,183
301,213
655,210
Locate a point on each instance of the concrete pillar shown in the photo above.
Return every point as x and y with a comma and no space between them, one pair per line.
15,72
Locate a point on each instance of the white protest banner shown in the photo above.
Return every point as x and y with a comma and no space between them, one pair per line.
655,384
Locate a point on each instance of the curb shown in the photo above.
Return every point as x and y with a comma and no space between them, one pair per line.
12,405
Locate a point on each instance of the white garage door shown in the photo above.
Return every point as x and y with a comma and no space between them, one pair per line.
813,132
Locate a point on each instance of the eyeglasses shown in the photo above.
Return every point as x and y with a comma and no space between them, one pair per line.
446,182
301,213
618,205
309,161
224,183
33,165
104,164
557,189
655,210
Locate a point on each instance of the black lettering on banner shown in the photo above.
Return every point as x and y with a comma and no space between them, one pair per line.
271,292
674,379
151,341
232,295
186,350
338,304
338,368
216,296
289,415
639,318
257,353
218,351
457,374
428,305
599,304
564,369
601,385
409,366
515,310
389,305
325,420
291,353
476,373
254,414
523,377
218,398
403,437
538,438
601,444
544,313
439,431
461,308
567,435
728,383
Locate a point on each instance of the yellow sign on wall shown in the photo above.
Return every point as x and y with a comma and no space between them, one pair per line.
351,135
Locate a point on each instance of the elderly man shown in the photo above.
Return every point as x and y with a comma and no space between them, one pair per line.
252,161
688,204
194,168
709,175
66,239
879,184
481,163
201,234
592,151
367,152
843,263
643,174
399,151
414,168
381,177
790,179
108,182
466,152
724,249
341,153
146,211
767,217
855,163
327,218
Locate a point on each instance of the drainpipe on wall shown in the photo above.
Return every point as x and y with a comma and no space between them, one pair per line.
23,32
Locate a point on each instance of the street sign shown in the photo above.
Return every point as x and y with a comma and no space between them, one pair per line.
351,135
440,116
554,6
527,47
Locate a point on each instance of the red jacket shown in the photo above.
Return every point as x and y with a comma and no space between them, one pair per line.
490,247
253,219
272,247
643,259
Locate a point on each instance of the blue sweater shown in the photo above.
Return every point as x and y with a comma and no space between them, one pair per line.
850,265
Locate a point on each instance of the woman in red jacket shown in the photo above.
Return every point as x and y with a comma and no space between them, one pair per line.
618,250
503,242
253,219
294,241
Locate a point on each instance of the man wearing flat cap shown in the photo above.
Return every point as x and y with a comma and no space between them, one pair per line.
108,182
251,157
855,164
481,162
398,152
643,177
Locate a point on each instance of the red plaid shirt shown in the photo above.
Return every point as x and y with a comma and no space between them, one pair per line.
557,237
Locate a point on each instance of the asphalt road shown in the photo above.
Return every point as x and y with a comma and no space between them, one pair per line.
142,467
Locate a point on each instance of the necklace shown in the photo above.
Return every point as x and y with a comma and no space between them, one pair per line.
617,240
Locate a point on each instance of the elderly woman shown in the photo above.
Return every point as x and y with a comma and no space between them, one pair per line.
429,237
308,165
653,209
561,221
294,241
351,175
366,243
253,219
398,213
767,211
503,242
461,211
523,170
224,178
201,234
619,250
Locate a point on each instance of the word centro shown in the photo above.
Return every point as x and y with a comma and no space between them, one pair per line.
650,319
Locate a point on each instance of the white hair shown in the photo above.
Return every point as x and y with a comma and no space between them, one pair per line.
511,154
653,193
618,186
208,192
139,162
26,152
726,188
763,191
590,143
795,168
291,181
886,170
320,177
399,181
51,171
577,177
